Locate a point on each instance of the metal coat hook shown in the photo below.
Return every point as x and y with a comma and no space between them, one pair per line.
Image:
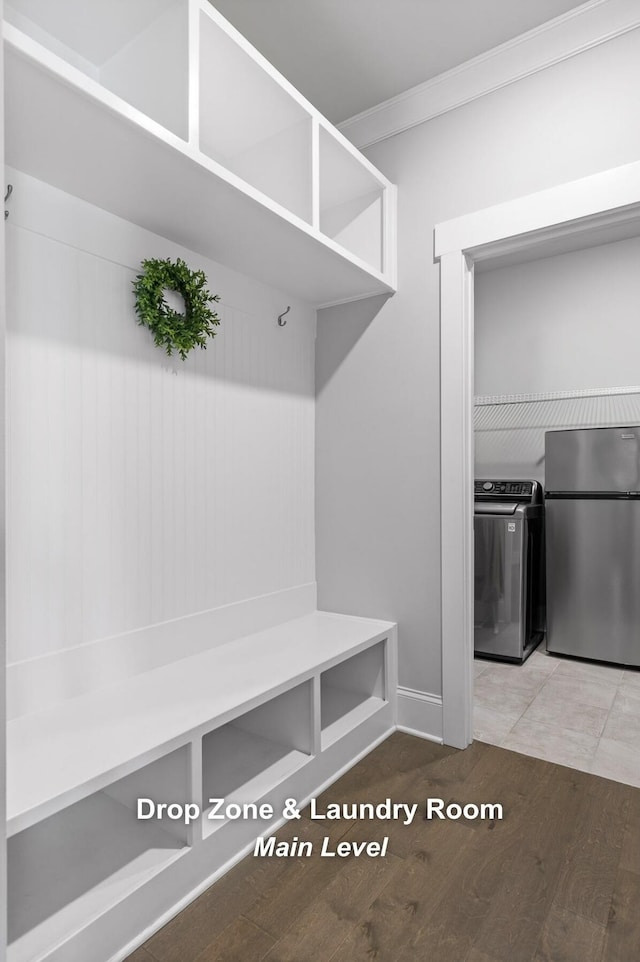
6,198
282,323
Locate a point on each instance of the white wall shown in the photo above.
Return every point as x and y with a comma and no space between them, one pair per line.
143,489
379,530
561,323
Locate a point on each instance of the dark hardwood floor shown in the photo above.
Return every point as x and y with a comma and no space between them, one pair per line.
557,880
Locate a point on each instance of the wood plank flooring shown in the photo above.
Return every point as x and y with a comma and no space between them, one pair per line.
557,880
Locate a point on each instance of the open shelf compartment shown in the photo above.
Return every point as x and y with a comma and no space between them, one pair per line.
352,691
351,202
138,51
250,124
248,758
72,867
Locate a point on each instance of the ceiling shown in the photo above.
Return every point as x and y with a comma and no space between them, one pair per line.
348,55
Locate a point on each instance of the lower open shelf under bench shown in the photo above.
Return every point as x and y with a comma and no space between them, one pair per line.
73,866
243,761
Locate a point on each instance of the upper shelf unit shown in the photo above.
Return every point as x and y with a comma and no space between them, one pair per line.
162,113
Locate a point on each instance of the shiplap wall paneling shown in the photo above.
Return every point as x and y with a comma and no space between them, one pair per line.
143,488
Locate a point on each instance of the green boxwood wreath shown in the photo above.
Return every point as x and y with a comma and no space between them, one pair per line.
172,330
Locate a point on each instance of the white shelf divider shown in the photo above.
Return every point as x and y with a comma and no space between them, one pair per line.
194,74
315,173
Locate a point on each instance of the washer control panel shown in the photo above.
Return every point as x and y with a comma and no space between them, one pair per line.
522,491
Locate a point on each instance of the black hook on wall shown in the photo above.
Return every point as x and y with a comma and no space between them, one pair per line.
282,323
6,198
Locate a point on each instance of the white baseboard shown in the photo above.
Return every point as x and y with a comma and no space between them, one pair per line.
423,735
39,683
420,714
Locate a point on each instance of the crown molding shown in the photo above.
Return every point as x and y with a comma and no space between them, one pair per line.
586,26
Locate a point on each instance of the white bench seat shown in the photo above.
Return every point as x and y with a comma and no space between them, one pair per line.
62,754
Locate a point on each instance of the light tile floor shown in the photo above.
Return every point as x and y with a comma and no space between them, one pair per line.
577,713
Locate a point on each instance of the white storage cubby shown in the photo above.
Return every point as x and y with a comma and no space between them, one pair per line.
351,201
248,758
352,691
77,864
138,51
162,113
271,148
159,112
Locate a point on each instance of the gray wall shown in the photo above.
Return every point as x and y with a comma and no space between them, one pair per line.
378,464
561,323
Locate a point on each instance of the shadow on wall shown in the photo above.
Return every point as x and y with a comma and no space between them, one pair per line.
351,321
82,312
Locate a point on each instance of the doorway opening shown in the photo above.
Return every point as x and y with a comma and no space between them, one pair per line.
584,213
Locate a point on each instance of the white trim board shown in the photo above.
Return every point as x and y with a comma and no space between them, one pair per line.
563,211
420,714
572,33
611,197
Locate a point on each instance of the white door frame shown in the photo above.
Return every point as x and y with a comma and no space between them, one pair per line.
595,209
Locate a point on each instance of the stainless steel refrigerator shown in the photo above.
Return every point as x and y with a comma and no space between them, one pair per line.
592,477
